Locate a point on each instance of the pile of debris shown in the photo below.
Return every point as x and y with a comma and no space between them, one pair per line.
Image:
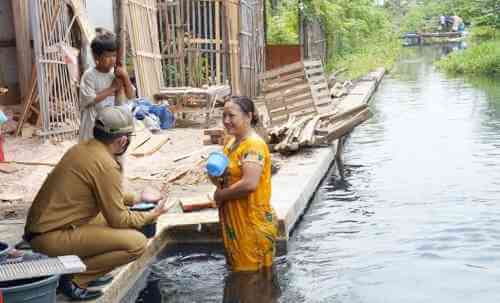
317,130
213,136
303,111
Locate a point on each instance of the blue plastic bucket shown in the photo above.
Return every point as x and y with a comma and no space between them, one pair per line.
216,164
36,290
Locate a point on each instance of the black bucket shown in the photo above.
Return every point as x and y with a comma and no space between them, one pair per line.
149,230
36,290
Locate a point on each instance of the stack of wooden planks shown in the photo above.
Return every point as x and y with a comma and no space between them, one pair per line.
317,130
286,93
213,136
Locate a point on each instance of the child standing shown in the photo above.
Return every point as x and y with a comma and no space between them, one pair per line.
100,84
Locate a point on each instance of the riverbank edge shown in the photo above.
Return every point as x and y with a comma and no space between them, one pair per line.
293,187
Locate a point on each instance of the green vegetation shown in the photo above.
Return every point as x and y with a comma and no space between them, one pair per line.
482,58
483,19
359,35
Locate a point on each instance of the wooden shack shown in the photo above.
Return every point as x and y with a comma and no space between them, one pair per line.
43,57
212,42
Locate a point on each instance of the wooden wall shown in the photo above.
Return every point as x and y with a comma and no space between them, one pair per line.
314,40
283,54
212,42
8,64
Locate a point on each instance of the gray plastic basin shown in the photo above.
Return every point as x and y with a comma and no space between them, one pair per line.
36,290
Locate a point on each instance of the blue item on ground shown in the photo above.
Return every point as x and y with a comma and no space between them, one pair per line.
217,164
143,108
3,118
167,118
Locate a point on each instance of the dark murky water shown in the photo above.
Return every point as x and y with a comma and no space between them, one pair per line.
417,219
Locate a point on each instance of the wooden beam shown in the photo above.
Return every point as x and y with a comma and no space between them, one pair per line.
7,43
20,12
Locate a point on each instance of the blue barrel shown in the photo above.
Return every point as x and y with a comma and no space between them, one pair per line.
36,290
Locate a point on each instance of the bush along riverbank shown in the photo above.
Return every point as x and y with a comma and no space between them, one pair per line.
482,58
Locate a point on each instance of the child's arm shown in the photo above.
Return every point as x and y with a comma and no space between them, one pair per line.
122,74
88,94
108,92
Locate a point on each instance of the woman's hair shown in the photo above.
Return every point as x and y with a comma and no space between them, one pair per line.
105,42
248,107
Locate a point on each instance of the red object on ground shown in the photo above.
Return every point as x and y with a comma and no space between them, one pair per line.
2,158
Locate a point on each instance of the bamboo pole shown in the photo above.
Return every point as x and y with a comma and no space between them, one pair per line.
20,11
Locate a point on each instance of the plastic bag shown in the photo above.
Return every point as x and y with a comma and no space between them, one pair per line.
3,118
143,108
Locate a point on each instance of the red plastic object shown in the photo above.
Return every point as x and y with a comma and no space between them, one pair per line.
2,156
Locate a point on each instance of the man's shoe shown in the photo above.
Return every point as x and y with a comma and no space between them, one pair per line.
101,281
76,293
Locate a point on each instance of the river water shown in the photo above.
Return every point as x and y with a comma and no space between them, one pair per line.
417,218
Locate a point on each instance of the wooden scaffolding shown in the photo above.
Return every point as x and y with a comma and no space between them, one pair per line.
212,42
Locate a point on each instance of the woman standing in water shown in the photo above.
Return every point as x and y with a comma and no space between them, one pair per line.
249,223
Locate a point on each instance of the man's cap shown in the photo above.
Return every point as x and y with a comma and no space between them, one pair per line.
115,120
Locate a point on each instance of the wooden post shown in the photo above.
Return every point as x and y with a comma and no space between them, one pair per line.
339,158
20,11
233,28
120,6
302,43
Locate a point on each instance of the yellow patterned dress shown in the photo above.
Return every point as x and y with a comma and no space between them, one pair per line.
249,225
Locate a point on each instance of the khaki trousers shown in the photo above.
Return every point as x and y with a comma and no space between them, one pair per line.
100,247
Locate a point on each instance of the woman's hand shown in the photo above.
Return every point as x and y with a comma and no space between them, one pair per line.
214,180
218,197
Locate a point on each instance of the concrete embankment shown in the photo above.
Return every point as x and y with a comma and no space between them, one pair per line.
293,187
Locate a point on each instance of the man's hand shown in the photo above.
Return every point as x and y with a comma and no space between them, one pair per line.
161,208
150,195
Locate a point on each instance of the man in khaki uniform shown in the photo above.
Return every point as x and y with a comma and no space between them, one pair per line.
81,207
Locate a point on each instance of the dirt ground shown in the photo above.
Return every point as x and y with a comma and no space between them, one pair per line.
18,189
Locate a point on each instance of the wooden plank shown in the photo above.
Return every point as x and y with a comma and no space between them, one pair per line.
139,138
279,102
291,110
294,67
277,80
296,90
341,129
315,71
277,121
312,63
7,168
307,135
283,86
196,203
7,196
151,146
20,11
317,79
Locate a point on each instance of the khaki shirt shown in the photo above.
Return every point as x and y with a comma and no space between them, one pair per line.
86,182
